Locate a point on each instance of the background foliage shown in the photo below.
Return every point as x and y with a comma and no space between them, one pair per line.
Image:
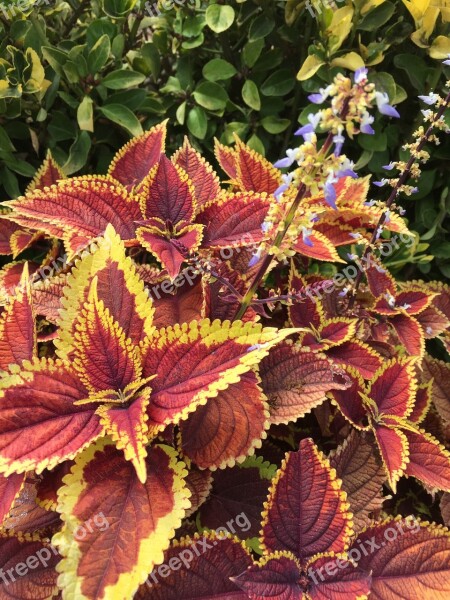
80,78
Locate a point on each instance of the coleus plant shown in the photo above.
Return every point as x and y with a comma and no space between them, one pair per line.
175,335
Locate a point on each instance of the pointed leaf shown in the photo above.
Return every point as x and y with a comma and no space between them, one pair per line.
306,512
203,566
429,461
322,248
422,403
39,424
134,161
199,484
362,474
296,382
48,174
136,525
184,302
410,334
78,210
393,446
119,288
329,581
17,328
393,388
167,194
226,157
104,357
228,427
440,372
233,220
379,279
407,558
253,172
196,360
358,355
204,179
349,401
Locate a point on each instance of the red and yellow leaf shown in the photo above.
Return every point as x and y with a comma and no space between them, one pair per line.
410,334
393,388
39,424
349,400
362,474
228,427
195,361
133,162
118,287
184,302
393,446
254,173
306,512
137,521
78,210
47,174
104,357
204,179
330,581
295,382
308,311
17,327
226,157
322,248
379,279
233,220
422,402
202,570
28,568
429,461
358,355
128,428
407,559
199,483
439,371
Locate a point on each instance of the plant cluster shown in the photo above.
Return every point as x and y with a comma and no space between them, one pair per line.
176,333
80,77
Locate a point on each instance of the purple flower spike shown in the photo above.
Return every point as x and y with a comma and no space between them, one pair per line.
382,100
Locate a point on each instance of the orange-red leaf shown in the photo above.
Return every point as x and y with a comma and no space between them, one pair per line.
393,445
131,523
204,179
133,162
226,157
9,490
393,388
407,559
253,172
358,355
306,512
228,427
48,174
429,461
39,424
295,382
234,220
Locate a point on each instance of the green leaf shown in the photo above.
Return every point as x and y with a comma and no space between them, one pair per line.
252,51
377,17
310,67
197,122
9,182
118,8
274,125
376,142
98,28
279,83
19,166
260,28
250,95
181,113
122,116
55,57
148,60
256,144
121,80
78,153
218,69
219,17
211,95
85,114
99,54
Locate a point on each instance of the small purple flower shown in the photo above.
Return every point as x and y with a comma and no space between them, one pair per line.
255,258
447,62
355,236
387,216
280,191
360,75
283,163
381,183
305,130
344,292
321,96
339,140
382,100
305,235
414,190
330,194
388,167
369,202
431,99
352,256
366,123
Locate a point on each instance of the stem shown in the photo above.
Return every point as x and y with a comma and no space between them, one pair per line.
247,300
394,193
74,18
134,31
